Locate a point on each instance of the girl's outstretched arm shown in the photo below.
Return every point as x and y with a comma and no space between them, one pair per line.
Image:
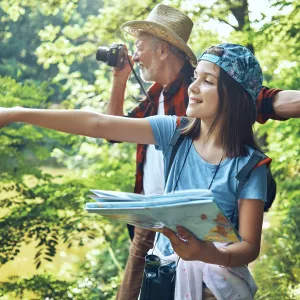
82,123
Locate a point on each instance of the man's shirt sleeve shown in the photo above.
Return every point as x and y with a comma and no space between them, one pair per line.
264,105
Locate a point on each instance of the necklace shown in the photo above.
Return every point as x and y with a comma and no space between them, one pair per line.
218,166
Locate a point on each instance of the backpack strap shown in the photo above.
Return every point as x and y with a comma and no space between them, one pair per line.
265,161
175,142
256,160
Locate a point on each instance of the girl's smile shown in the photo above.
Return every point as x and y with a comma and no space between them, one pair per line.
194,100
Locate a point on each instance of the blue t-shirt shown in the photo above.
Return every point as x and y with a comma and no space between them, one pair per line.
198,174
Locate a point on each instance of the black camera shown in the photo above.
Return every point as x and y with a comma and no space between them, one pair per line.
158,280
114,56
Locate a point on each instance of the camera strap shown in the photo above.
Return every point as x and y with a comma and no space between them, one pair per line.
138,79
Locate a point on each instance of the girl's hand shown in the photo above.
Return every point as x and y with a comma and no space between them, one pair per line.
188,247
6,115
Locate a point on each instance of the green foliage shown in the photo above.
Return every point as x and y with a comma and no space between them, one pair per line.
15,9
48,60
277,271
45,214
15,94
16,140
48,213
60,218
104,278
42,285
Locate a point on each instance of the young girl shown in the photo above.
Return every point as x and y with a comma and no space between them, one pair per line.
219,143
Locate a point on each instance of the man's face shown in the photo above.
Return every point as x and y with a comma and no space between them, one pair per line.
145,56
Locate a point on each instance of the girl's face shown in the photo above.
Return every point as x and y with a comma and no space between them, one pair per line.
203,92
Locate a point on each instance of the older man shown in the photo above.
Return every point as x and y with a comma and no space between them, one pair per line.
166,60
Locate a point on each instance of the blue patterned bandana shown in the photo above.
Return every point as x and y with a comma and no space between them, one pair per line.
240,64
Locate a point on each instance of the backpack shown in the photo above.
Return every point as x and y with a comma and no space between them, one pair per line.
257,159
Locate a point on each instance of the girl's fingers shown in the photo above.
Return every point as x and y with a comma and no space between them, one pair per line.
172,236
184,233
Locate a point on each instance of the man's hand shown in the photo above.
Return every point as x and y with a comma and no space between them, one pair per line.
126,70
117,95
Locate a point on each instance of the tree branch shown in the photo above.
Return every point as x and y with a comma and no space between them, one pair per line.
224,21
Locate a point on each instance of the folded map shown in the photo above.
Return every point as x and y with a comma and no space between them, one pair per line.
195,210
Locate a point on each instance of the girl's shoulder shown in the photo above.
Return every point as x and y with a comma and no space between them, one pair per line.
163,128
250,152
254,158
240,161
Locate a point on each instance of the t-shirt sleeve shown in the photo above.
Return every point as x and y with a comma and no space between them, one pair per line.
256,186
163,128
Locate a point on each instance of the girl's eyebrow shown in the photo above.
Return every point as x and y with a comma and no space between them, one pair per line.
206,73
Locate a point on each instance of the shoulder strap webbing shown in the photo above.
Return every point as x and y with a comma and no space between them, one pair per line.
244,174
175,142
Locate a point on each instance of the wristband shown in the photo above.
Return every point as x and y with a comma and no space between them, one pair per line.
229,260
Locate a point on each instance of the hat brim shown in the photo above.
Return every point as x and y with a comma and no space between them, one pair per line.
135,27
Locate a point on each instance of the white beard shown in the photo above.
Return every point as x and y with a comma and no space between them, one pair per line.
149,74
146,75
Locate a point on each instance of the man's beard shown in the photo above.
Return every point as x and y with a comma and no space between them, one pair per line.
146,75
149,74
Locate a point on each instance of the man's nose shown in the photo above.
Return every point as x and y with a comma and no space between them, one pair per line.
135,57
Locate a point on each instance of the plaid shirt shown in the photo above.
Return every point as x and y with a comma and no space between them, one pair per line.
174,105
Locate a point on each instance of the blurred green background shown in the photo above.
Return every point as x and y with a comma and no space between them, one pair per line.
50,248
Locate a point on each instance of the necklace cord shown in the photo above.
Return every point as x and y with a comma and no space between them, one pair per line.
218,166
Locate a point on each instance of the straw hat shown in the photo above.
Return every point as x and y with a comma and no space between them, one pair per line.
167,23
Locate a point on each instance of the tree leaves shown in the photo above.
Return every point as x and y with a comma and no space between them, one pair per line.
47,210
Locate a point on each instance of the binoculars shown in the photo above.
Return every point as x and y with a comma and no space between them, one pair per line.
158,280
